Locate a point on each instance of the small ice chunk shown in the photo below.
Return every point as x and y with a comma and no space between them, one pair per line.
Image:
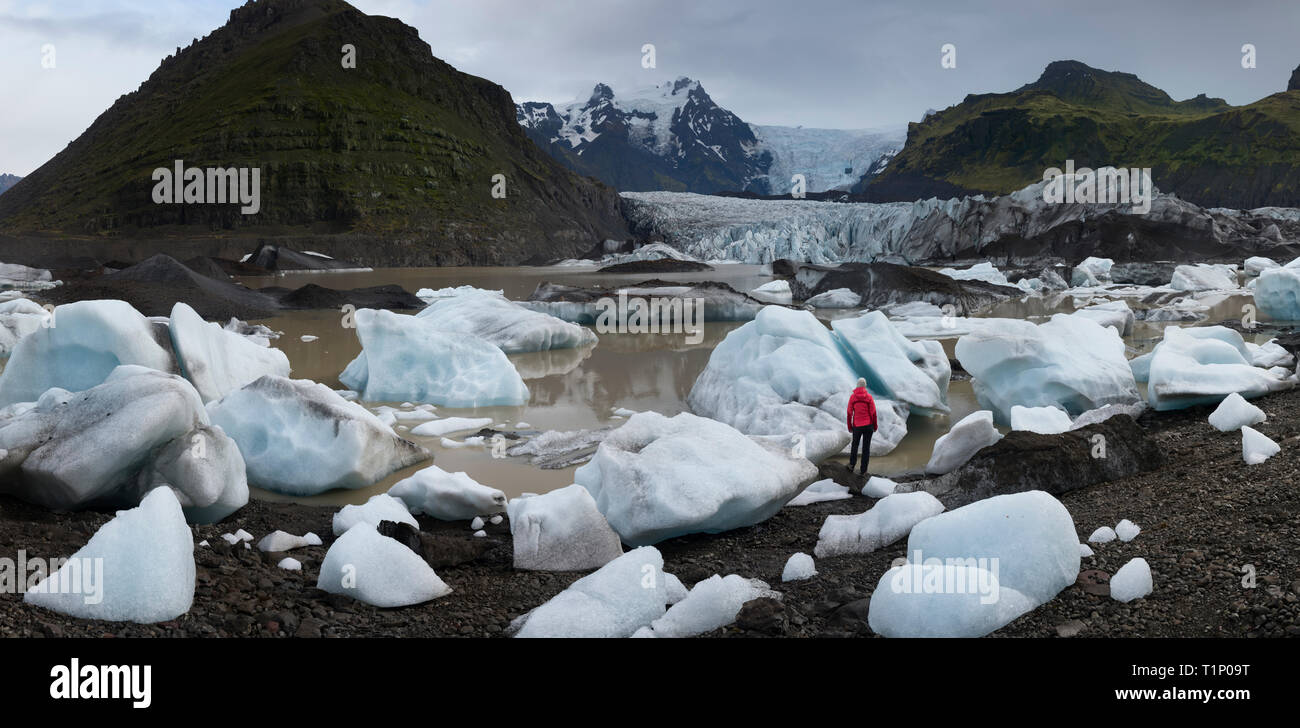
1085,550
381,507
476,524
822,490
878,487
290,563
378,570
480,534
1132,581
282,541
447,496
1105,534
495,520
799,566
1234,412
973,433
890,519
1256,447
1127,530
448,425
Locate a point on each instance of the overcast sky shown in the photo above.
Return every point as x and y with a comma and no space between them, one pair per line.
821,63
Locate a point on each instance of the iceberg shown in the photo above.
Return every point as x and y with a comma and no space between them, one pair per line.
1202,365
301,438
1258,264
447,496
1112,313
281,541
914,372
798,567
1277,292
777,292
780,374
1256,447
822,490
1021,363
890,519
509,326
1132,581
978,272
658,477
1091,273
561,531
408,358
85,343
217,361
206,471
1204,277
616,600
835,298
960,601
378,570
18,318
143,561
973,433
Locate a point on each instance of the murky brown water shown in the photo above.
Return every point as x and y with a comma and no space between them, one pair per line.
579,389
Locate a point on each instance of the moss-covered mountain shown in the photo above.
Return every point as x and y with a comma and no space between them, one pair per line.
395,157
1202,149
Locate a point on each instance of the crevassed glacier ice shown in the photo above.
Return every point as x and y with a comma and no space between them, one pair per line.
1069,362
561,531
301,438
658,477
914,372
147,560
217,361
511,327
407,358
87,340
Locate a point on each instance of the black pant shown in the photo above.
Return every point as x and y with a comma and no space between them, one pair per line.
861,434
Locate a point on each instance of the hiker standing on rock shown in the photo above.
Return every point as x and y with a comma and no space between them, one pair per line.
862,423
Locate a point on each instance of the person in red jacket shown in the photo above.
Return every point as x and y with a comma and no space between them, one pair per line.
862,423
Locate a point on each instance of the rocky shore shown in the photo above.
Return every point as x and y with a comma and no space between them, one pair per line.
1219,536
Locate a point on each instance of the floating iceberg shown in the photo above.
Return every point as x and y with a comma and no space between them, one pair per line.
511,327
142,560
621,597
1069,362
87,340
301,438
217,361
890,519
978,272
1258,264
914,372
378,570
1277,292
408,358
561,531
447,496
780,374
1091,273
973,433
1204,277
1111,313
658,477
1202,365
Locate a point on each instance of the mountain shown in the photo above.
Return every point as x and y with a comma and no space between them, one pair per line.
388,162
674,137
7,181
1202,149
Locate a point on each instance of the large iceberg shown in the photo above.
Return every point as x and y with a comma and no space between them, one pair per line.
301,438
943,600
408,358
141,563
217,361
616,600
780,374
914,372
378,570
73,450
1204,277
1277,294
561,531
511,327
658,477
447,496
1202,365
84,343
1070,362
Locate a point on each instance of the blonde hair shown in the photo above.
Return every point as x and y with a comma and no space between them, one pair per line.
862,382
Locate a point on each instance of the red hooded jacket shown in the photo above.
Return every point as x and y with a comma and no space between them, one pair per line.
862,409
